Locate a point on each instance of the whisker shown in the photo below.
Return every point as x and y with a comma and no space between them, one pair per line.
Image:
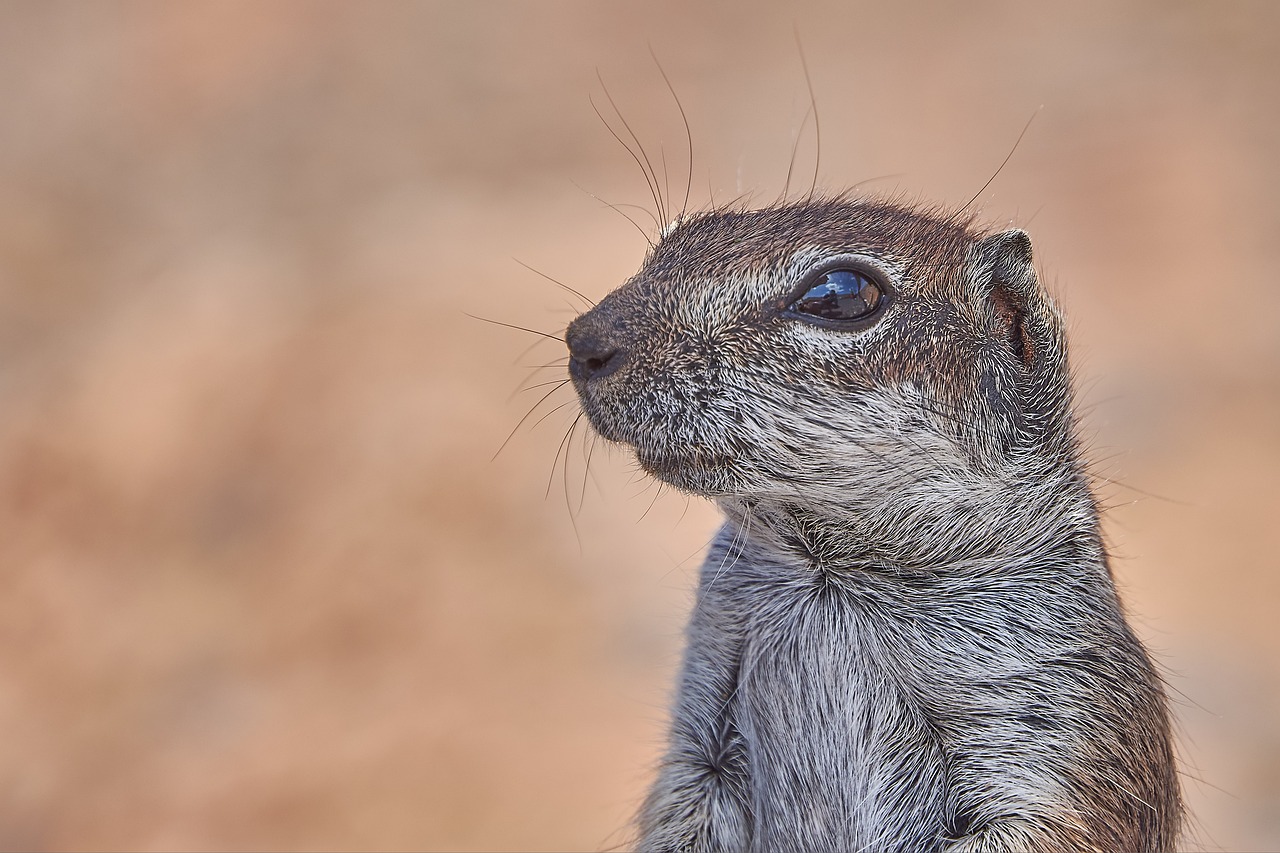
616,209
701,548
517,328
688,134
657,494
555,282
568,503
527,414
666,177
524,352
582,498
641,208
817,127
552,412
555,461
687,502
795,147
739,544
1006,159
1154,496
539,385
657,187
650,176
866,181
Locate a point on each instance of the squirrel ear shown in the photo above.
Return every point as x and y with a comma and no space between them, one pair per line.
1011,289
1009,257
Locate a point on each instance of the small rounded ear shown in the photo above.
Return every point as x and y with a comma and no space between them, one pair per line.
1033,385
1011,289
1008,256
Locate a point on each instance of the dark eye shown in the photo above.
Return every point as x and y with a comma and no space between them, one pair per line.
840,295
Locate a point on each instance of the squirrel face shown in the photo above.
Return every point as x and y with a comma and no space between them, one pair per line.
825,347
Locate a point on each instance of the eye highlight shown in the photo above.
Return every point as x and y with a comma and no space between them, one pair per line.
839,296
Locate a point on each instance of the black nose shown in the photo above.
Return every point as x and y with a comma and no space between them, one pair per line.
592,354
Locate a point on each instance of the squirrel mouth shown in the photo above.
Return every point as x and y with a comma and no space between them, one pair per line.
690,468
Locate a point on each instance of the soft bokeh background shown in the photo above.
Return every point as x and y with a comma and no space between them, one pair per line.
261,585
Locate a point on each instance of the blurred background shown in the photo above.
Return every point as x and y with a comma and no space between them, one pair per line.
263,584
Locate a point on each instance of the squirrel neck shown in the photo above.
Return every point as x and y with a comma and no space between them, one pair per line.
1045,516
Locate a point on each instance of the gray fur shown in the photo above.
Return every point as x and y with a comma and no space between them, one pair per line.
906,635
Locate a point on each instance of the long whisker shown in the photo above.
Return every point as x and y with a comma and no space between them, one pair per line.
817,127
795,147
582,498
559,450
866,181
666,176
527,414
739,544
688,134
1006,159
553,411
568,503
517,328
657,187
1153,495
559,284
687,502
539,385
650,176
657,494
537,342
616,208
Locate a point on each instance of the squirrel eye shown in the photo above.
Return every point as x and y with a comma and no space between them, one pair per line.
840,294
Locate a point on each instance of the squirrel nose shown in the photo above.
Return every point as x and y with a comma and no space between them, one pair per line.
592,354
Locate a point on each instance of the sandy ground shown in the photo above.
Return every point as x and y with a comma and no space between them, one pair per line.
264,584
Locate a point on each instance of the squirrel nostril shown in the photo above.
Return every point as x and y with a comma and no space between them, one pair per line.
596,364
592,351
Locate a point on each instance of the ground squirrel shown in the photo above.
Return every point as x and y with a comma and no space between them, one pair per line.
906,634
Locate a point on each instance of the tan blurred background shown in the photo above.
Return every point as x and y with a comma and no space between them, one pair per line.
261,585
